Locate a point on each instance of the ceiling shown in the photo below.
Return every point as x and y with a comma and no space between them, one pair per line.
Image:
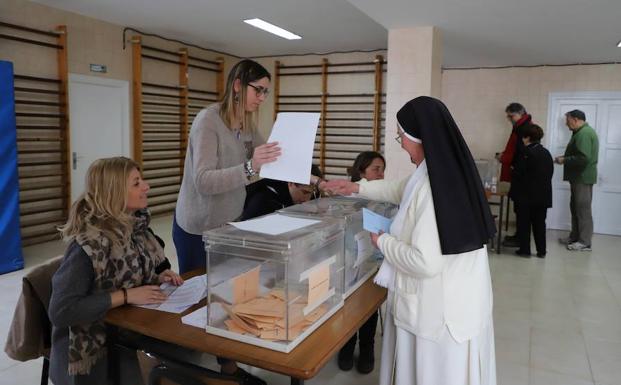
325,25
511,32
475,32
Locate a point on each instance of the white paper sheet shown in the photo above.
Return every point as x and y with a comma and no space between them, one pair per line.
295,133
197,318
182,297
274,224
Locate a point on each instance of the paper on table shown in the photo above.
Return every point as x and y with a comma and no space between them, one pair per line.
365,247
246,285
184,296
274,224
197,318
295,133
374,222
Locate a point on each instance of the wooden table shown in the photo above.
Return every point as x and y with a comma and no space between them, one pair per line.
304,362
503,198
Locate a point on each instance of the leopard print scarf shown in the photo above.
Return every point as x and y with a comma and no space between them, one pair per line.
116,266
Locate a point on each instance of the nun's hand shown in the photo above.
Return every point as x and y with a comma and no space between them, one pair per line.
339,187
265,153
375,237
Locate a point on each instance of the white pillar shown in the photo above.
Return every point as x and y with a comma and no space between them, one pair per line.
414,69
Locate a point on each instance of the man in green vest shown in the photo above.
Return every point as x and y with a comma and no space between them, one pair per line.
580,170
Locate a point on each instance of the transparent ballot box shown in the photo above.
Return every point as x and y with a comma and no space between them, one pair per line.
361,258
273,290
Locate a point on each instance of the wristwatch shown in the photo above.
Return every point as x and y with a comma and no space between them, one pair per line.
248,169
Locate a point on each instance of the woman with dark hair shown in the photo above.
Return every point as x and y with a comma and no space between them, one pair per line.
533,171
268,195
220,161
368,166
439,327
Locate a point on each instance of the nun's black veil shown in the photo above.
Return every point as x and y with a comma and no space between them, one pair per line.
463,215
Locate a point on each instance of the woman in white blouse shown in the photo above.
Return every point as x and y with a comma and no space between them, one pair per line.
439,327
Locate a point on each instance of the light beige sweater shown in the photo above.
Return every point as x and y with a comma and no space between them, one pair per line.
213,189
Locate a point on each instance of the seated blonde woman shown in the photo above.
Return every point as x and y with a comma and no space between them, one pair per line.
112,259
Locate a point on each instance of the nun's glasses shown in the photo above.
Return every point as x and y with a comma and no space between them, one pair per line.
399,139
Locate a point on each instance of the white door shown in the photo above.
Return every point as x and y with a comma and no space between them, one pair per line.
607,210
99,121
603,113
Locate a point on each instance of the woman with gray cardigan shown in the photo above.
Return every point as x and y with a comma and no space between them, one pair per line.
220,161
112,259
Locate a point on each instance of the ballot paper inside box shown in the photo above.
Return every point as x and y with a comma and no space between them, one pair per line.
273,290
361,258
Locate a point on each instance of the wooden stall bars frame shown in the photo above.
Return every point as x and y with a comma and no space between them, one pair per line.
345,119
137,97
63,88
377,114
161,134
183,107
46,210
324,108
276,87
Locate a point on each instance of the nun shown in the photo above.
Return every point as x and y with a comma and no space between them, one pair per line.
439,327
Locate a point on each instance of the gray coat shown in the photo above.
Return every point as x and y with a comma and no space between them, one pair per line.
74,302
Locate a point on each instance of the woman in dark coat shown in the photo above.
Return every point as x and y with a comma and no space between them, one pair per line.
533,170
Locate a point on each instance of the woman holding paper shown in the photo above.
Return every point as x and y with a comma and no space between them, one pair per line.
220,161
439,326
112,258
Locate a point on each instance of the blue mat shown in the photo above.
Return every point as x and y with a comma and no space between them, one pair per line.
10,239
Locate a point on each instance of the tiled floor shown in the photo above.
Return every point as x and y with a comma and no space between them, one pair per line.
557,321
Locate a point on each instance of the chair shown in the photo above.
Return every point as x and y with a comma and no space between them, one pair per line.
158,370
30,332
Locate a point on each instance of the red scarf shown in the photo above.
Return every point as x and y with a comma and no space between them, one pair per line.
509,152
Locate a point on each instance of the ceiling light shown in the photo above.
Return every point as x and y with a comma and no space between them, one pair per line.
271,28
619,44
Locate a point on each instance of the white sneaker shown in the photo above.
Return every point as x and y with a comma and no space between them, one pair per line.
578,246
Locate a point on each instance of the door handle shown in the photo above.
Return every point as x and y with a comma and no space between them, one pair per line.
74,160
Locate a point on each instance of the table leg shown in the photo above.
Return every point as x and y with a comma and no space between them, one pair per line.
507,220
499,240
114,362
297,381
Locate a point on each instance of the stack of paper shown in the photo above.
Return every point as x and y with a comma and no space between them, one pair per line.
180,298
264,317
274,224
